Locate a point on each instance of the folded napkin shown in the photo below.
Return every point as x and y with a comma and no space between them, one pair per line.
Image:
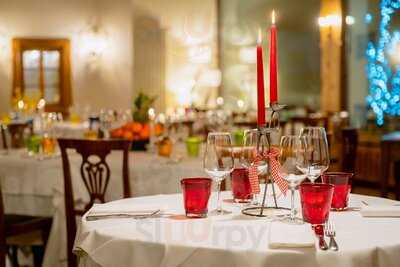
380,211
282,235
99,211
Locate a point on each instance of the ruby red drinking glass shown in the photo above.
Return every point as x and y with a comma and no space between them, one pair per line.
316,202
341,182
240,183
196,192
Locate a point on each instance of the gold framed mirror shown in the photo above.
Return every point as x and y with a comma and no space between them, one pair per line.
41,69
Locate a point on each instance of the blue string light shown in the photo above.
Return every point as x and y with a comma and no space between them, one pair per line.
384,74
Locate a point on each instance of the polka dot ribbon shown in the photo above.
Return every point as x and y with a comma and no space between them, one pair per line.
276,172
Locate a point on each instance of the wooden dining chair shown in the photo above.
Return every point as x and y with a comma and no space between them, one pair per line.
95,175
349,149
12,226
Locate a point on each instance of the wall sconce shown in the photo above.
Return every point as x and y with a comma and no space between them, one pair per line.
93,42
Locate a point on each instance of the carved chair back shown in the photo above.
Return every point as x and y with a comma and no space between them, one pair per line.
95,176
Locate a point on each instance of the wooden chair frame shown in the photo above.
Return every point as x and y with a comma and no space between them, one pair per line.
95,176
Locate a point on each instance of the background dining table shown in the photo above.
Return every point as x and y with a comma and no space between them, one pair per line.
33,186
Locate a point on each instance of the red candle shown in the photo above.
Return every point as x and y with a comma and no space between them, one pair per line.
260,84
273,81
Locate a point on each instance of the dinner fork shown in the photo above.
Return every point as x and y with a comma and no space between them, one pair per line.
331,233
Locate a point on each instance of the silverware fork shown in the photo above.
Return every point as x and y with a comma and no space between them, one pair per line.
331,233
319,232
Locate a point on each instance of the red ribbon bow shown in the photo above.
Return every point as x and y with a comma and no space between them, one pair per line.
275,168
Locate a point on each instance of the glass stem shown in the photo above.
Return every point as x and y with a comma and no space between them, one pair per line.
292,211
219,202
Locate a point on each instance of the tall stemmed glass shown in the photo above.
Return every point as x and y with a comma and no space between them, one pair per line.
218,162
253,145
317,152
293,159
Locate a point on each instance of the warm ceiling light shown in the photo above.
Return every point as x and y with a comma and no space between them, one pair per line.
350,20
220,101
330,20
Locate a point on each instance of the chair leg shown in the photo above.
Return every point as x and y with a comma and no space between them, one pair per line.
38,253
45,235
397,178
13,255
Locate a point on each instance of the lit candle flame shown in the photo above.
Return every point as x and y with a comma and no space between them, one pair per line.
273,17
259,36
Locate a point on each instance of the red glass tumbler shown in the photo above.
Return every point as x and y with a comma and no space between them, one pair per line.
241,189
196,192
341,182
316,202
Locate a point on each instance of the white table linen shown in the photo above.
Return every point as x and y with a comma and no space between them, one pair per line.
71,130
35,187
284,235
380,211
232,240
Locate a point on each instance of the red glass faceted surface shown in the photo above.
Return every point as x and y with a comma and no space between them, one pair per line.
240,183
316,202
196,192
341,182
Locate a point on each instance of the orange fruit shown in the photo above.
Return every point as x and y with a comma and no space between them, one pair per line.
128,135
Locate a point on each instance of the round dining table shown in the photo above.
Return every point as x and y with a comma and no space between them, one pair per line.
235,239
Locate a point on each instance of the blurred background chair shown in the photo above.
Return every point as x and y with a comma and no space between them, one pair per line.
22,230
17,132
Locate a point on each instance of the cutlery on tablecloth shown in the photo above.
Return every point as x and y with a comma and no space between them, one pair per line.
319,231
121,216
331,233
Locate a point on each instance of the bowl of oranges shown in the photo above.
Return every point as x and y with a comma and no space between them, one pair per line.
138,133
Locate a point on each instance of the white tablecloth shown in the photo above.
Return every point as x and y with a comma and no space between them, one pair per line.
71,130
232,240
34,187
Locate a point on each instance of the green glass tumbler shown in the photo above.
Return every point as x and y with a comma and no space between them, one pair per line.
238,137
33,144
193,146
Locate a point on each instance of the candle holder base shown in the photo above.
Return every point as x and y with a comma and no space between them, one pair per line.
266,211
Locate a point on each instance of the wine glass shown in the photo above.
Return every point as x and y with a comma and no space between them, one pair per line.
293,158
317,151
253,145
218,162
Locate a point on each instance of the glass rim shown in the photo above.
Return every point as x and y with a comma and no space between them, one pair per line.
240,168
218,133
195,180
292,136
313,127
317,186
335,174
